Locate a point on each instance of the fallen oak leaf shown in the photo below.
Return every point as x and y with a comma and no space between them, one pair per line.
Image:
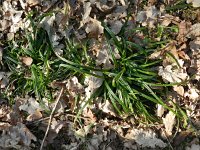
33,2
145,138
94,28
16,137
27,60
169,122
195,3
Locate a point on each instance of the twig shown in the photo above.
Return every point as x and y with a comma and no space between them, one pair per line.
51,117
56,115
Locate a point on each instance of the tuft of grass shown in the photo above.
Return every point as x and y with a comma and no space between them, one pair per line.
129,85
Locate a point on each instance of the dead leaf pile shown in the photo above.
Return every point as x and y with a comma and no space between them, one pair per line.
85,19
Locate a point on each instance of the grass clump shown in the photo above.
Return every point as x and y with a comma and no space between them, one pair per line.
129,85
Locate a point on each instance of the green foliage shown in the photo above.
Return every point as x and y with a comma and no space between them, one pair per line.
131,85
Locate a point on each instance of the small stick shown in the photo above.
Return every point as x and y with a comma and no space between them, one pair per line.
56,115
50,118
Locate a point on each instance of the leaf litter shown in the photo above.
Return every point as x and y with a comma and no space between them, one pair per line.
87,23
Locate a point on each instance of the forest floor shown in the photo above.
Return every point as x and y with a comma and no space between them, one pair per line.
99,74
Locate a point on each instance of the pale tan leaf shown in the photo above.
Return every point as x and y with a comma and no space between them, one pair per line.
87,10
35,116
169,122
30,105
194,31
195,3
107,108
179,89
145,138
193,147
33,2
16,136
160,110
27,60
94,28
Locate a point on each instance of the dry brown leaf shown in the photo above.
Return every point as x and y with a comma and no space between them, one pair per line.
183,55
193,147
107,107
94,28
87,10
57,125
181,137
3,80
195,3
194,31
16,137
192,93
88,113
160,110
27,60
145,138
148,17
4,126
83,131
183,31
169,122
179,89
35,116
33,2
93,83
105,5
116,26
29,105
171,75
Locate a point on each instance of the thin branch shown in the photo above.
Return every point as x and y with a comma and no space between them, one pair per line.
51,117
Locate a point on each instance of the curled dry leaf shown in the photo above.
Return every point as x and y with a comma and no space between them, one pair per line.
35,116
192,93
74,86
16,137
94,28
29,105
103,57
195,61
193,100
104,6
4,111
183,30
107,107
148,17
169,122
56,126
116,26
195,3
160,110
27,60
33,2
88,113
3,80
145,138
171,75
47,23
193,147
93,84
87,10
4,126
179,89
194,31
